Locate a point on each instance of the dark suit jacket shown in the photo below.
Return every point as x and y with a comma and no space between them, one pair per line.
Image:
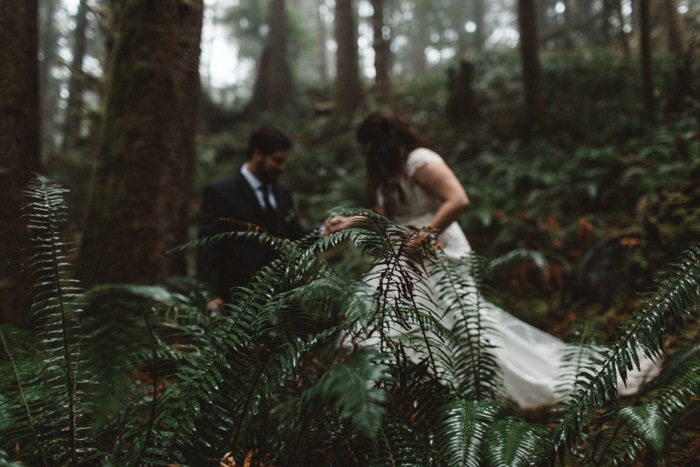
230,263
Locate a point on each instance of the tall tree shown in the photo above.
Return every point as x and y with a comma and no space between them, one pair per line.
532,81
420,40
348,88
142,175
382,52
49,85
478,15
19,148
674,27
645,59
323,66
274,86
74,108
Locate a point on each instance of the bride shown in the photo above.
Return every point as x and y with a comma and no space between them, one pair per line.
412,185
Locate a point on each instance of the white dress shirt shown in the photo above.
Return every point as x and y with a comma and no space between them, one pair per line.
256,185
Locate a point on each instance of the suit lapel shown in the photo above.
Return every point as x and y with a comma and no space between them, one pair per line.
237,192
282,209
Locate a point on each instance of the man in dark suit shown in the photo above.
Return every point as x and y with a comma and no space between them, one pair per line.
250,196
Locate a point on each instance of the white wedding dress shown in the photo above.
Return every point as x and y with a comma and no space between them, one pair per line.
529,358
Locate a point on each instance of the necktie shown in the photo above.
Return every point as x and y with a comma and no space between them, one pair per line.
270,213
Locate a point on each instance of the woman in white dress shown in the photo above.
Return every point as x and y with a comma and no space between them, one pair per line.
412,185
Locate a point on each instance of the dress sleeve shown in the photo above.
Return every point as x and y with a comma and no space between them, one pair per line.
419,157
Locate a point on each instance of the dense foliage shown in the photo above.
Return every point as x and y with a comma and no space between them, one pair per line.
126,375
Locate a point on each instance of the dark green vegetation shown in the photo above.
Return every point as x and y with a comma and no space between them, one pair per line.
124,375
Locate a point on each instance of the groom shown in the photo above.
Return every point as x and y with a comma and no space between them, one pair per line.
250,196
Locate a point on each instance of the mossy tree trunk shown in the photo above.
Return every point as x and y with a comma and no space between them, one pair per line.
274,86
645,59
532,81
19,150
323,61
348,88
142,175
49,85
382,52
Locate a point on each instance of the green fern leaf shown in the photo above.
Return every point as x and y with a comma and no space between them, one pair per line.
515,443
462,433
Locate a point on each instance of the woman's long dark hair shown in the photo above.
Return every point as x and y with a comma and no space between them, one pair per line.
387,141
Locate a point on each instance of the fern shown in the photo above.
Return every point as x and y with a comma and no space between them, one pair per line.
676,295
463,431
307,367
515,443
468,357
56,396
631,431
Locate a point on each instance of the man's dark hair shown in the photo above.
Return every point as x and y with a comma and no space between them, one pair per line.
267,140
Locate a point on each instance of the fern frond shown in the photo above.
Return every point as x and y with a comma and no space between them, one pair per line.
397,444
352,388
676,295
145,349
468,358
463,429
583,347
632,429
515,443
248,357
63,379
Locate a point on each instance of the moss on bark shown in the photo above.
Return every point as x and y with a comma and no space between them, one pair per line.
142,175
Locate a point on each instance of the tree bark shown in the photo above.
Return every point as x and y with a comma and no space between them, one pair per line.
49,86
674,27
19,150
420,41
323,68
138,203
621,33
645,59
382,53
74,109
274,86
532,81
348,88
478,17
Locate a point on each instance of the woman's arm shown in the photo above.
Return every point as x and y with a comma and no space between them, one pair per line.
438,179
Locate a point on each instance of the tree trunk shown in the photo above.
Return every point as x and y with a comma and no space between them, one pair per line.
621,33
348,88
682,59
461,101
274,87
49,86
323,67
674,27
532,81
138,203
645,60
606,27
74,109
19,150
382,53
420,43
479,12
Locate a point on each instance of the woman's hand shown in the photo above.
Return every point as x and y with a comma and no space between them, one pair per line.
337,223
